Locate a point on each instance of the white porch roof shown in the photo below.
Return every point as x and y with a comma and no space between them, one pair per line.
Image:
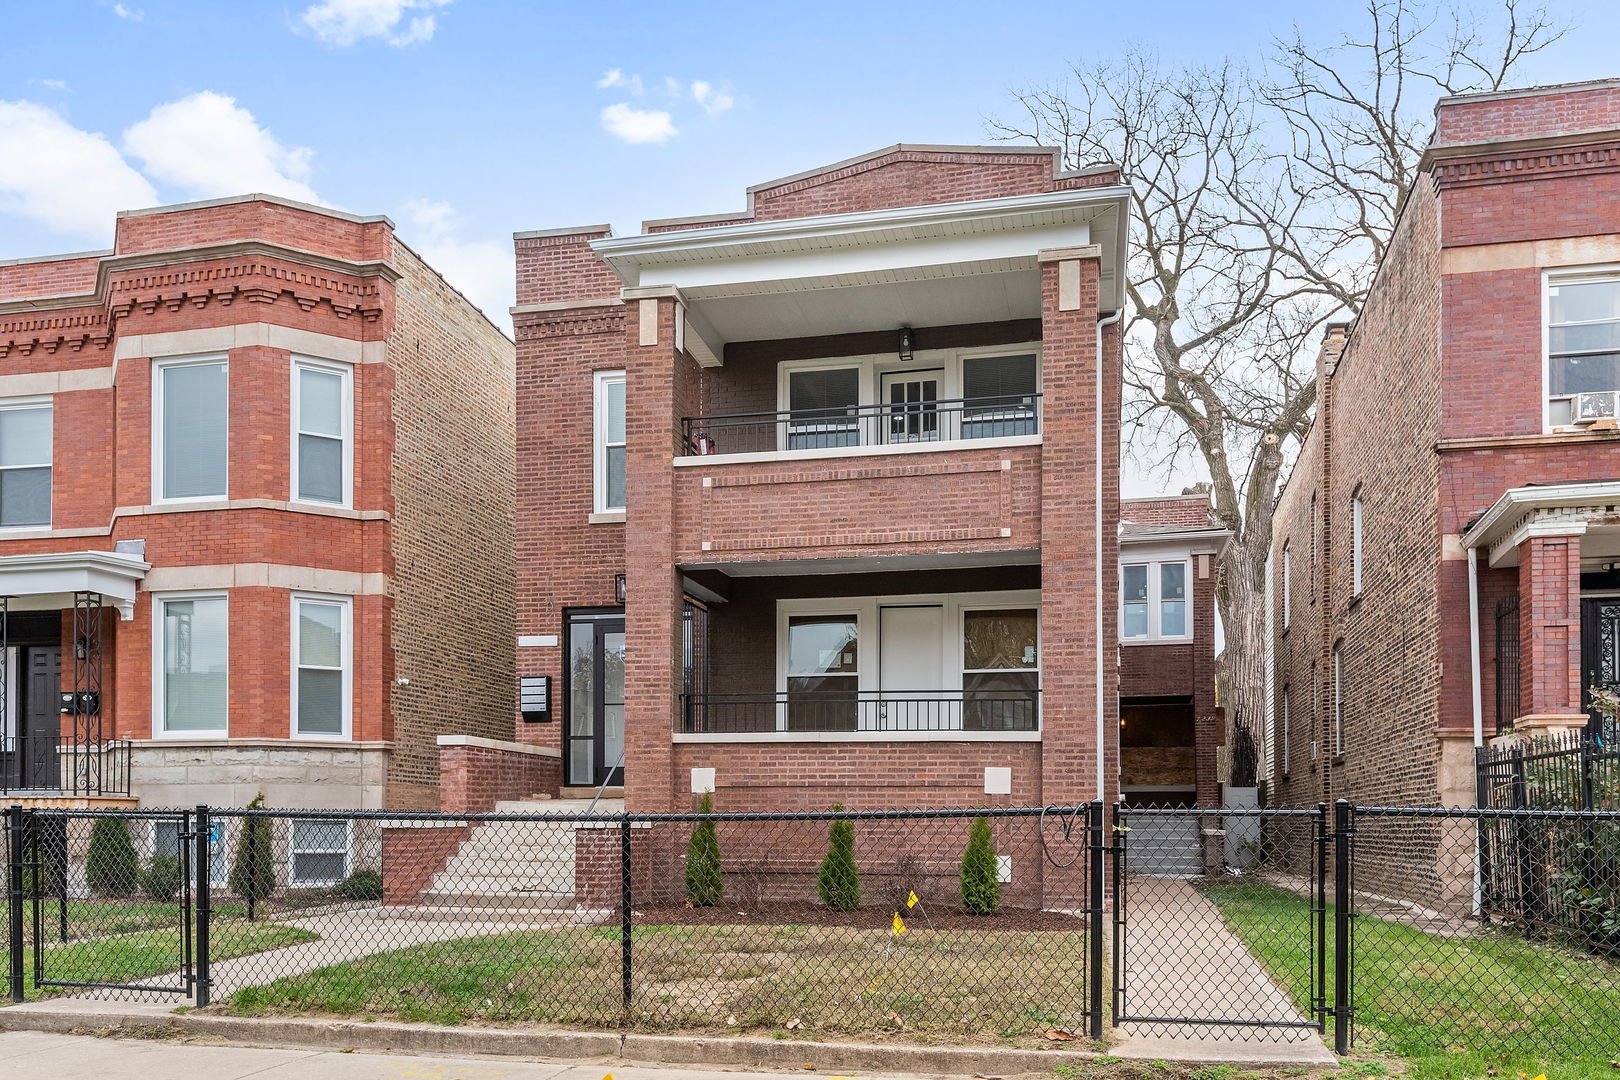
1588,510
47,582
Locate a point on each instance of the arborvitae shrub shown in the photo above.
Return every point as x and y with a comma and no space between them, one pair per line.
111,866
253,872
161,880
704,886
838,882
981,892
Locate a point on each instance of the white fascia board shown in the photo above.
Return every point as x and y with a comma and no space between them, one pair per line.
1211,539
56,574
1499,516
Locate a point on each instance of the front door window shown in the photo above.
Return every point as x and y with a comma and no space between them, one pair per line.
911,406
1600,656
595,730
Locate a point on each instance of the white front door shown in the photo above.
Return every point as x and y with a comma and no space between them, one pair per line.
911,406
911,670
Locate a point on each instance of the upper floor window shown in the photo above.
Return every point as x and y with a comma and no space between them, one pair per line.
1338,697
1287,731
25,464
1287,585
1355,543
1154,600
189,410
1583,350
192,661
609,451
320,645
323,455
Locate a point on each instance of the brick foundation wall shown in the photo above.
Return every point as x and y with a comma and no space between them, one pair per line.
412,855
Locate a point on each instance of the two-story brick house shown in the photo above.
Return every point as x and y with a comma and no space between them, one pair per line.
818,501
255,519
1446,549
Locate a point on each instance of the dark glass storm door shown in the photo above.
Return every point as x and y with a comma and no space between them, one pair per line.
39,718
593,750
1600,654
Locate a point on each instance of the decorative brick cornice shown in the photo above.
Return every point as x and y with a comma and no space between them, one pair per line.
576,323
1518,163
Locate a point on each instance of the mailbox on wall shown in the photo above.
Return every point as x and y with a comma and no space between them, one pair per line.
81,703
534,698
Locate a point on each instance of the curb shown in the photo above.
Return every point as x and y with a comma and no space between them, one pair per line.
568,1045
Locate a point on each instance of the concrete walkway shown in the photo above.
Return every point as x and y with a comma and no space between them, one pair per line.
78,1057
1181,962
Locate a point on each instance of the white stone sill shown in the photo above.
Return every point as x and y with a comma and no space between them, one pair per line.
496,744
856,736
879,450
224,742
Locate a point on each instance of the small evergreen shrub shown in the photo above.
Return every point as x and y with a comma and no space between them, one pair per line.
161,881
704,886
253,872
981,892
111,866
838,882
360,885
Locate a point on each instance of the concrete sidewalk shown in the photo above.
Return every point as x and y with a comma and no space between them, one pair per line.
82,1057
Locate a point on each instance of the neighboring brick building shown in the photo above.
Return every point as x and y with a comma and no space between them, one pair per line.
816,501
255,513
1463,458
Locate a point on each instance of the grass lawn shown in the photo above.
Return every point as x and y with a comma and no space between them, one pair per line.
1454,1006
106,918
998,985
143,954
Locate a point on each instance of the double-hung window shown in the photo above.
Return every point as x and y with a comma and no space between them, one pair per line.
609,452
1583,349
1338,697
25,463
318,852
1355,543
999,395
190,424
191,664
321,667
323,455
824,408
823,672
1154,600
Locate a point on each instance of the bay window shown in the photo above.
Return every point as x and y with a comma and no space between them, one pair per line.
1154,600
191,665
25,463
190,437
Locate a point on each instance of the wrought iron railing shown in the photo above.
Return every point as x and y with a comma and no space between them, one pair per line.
889,424
840,710
61,765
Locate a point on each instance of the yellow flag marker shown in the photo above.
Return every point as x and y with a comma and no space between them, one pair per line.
911,900
899,925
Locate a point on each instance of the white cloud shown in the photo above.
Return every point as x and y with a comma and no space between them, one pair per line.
398,22
635,125
614,77
53,84
208,146
712,101
66,179
484,271
131,14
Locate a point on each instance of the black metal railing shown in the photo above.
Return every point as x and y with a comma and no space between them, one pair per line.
892,424
848,710
62,765
1507,662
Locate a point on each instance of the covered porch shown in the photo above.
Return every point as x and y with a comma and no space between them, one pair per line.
58,630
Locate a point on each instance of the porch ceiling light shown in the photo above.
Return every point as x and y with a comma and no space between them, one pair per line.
905,344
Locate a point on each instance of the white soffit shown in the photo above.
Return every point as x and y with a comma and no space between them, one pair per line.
47,582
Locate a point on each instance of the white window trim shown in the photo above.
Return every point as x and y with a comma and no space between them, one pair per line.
158,368
868,676
346,628
1287,585
346,414
1153,562
599,382
1549,278
44,401
159,718
219,862
1338,699
293,851
1356,510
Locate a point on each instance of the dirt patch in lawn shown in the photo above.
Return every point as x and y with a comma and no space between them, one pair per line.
804,913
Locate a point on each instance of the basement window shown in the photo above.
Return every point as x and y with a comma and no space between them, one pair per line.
318,852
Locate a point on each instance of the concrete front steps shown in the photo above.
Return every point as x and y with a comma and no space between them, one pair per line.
510,870
1167,847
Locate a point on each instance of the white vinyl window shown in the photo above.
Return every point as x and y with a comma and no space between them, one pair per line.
1583,350
1287,585
1000,668
1355,543
25,463
317,852
190,425
1155,602
323,443
1338,697
191,665
609,451
1287,733
321,667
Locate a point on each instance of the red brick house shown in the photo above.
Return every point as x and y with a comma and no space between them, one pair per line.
1446,550
818,500
255,521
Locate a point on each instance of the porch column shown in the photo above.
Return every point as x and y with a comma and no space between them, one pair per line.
1074,425
661,384
1550,632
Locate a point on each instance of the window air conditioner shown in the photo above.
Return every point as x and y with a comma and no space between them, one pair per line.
1592,408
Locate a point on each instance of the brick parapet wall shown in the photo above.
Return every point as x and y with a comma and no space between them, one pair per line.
472,778
1544,113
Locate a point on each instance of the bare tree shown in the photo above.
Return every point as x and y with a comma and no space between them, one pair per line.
1262,200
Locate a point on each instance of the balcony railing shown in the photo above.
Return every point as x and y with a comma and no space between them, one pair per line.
891,424
58,766
840,710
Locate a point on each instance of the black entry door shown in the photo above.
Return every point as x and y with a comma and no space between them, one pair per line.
1600,654
594,735
39,719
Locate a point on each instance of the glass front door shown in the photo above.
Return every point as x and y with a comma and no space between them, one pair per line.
911,401
1600,654
594,735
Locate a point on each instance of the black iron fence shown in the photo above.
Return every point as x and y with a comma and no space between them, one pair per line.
63,765
895,424
851,710
1020,924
